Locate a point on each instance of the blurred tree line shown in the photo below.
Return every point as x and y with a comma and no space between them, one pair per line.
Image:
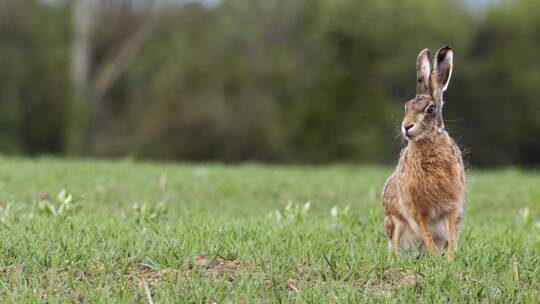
264,80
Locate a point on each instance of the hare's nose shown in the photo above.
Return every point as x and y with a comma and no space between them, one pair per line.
408,127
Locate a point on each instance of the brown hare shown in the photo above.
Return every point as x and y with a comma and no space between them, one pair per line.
423,199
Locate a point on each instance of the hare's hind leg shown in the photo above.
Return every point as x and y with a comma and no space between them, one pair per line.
396,237
394,230
389,231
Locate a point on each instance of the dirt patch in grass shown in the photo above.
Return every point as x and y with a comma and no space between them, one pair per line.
199,265
393,280
143,273
215,267
9,271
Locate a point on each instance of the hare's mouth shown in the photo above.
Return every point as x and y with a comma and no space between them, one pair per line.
413,136
409,136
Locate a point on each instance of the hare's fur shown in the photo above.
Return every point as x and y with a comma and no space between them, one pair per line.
423,199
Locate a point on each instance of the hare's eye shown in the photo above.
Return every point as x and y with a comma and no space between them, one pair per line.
430,110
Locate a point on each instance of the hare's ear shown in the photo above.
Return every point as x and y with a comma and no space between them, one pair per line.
442,69
423,70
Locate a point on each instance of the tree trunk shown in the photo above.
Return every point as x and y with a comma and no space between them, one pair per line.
80,109
88,92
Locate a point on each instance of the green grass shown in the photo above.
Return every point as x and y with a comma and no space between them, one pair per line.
217,237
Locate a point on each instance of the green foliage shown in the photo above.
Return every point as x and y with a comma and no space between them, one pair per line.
65,205
340,214
34,79
5,213
501,78
292,213
305,80
149,213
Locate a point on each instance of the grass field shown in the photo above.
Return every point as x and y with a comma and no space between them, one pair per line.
215,233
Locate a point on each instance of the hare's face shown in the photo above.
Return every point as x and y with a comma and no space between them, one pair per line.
420,119
423,114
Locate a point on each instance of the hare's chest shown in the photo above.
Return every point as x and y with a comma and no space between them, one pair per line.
428,189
